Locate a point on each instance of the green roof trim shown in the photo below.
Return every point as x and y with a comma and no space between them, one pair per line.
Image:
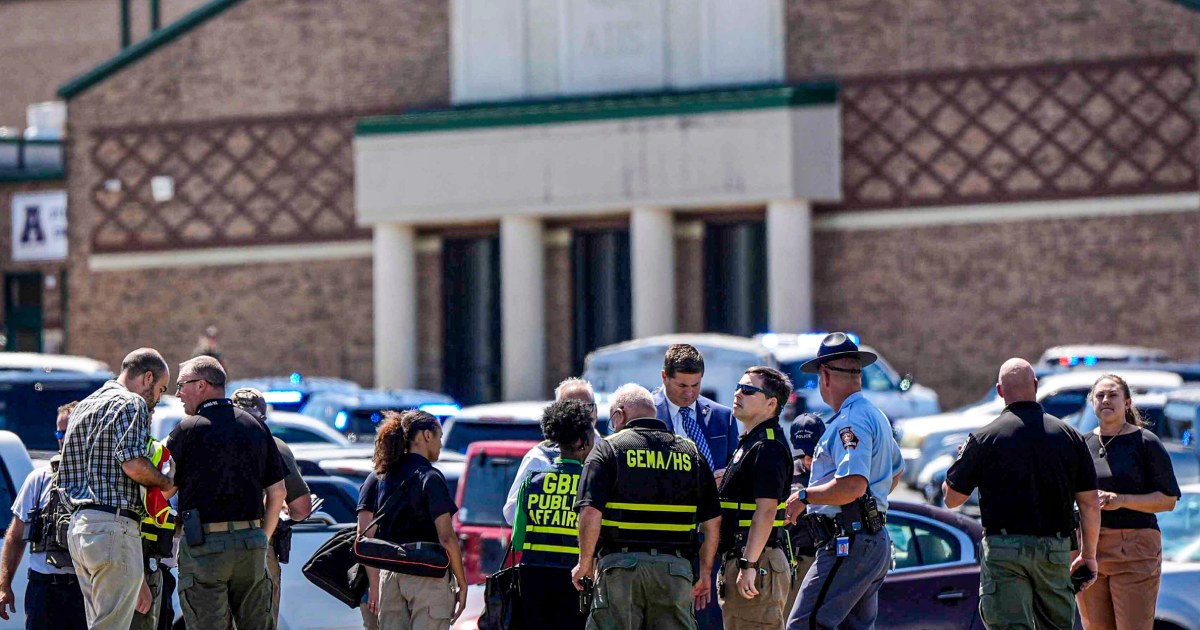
159,38
30,175
523,113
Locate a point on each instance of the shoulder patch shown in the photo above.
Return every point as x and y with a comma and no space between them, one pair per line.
849,440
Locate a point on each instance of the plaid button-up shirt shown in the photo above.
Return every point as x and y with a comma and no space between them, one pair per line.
106,429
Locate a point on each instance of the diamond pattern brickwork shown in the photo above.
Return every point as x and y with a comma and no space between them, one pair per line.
1054,131
236,183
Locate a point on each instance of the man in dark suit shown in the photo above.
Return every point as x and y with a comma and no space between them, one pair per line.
707,423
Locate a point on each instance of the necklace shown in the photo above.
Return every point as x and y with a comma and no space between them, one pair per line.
1103,452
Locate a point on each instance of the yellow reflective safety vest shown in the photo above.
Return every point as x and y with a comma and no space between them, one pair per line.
737,486
158,527
547,518
653,504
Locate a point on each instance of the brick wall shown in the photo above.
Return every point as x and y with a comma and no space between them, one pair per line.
45,43
856,37
261,58
560,314
951,303
431,314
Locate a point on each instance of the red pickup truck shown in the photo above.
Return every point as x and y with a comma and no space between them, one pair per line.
490,471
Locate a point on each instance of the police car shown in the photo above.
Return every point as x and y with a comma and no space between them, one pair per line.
895,394
357,413
290,393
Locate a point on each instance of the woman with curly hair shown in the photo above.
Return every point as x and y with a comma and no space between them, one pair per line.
545,530
1135,480
405,447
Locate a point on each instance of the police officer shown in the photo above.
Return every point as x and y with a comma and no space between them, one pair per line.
225,461
1031,470
297,498
754,546
52,595
641,496
806,431
545,531
857,464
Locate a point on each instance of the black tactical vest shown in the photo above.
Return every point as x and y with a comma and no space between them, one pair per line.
654,500
551,524
736,492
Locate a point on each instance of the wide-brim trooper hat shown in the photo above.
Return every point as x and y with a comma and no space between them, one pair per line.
836,346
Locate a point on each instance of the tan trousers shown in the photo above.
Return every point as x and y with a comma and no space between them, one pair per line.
803,564
1126,592
106,550
412,602
765,610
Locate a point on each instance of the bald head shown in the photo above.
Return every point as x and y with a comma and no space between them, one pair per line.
1016,382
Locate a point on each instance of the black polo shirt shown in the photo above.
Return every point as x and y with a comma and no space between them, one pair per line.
225,458
1133,463
411,517
1028,466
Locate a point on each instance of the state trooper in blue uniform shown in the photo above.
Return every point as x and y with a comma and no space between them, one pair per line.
856,465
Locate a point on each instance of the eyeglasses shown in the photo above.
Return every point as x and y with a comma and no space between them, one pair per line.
180,384
842,370
749,390
58,435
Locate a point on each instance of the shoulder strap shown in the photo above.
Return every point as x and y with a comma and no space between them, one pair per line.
391,501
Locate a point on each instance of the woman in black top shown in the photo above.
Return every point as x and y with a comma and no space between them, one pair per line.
404,447
1135,480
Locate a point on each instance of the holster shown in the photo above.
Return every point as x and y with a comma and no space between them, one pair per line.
281,542
862,515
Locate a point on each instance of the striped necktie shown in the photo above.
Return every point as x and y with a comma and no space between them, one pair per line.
693,430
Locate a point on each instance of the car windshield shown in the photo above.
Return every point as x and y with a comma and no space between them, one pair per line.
875,377
488,479
463,432
339,503
1181,529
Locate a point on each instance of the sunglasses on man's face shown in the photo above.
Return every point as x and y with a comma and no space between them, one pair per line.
749,390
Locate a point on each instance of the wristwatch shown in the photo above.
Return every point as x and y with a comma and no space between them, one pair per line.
746,564
802,496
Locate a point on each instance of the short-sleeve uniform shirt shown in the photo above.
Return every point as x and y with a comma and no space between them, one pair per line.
35,492
411,516
293,481
1028,466
858,440
224,459
106,429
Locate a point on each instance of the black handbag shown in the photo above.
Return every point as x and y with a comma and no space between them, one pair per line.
500,596
335,569
424,559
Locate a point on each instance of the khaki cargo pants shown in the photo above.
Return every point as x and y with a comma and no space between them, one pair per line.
1025,582
227,574
413,602
768,608
641,590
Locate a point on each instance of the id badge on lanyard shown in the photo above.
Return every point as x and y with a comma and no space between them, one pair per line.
843,546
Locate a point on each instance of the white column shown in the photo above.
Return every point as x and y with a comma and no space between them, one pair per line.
395,291
790,266
652,253
523,304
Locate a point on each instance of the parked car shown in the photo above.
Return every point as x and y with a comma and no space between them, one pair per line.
33,386
490,470
1178,607
503,421
298,431
357,413
640,361
1181,526
290,393
1090,355
923,440
339,496
15,465
896,394
355,470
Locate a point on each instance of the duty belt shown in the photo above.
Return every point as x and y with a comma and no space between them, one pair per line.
231,526
108,509
654,551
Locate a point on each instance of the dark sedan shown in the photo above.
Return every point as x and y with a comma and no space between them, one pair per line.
934,582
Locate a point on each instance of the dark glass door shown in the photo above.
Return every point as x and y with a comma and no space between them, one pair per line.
735,278
603,295
23,312
471,288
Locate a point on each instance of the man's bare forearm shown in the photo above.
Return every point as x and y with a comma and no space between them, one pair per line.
1089,522
760,528
840,491
14,548
142,471
589,531
275,496
708,549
